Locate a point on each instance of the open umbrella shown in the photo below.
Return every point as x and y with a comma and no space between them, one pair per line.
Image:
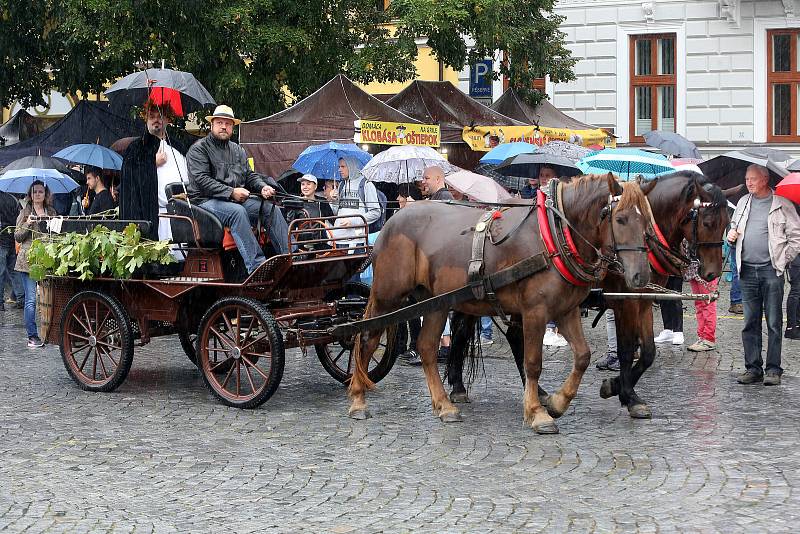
512,183
528,165
477,187
405,164
627,163
789,187
323,160
672,143
179,90
91,154
18,176
504,151
794,166
729,169
565,150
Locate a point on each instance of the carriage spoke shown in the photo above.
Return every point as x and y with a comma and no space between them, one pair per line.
227,377
250,379
102,364
228,323
254,366
238,379
102,324
239,325
109,345
219,364
94,362
222,337
73,334
85,328
245,347
110,357
341,353
88,319
83,363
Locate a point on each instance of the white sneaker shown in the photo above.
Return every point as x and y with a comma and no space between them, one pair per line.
486,341
559,341
665,336
549,337
677,338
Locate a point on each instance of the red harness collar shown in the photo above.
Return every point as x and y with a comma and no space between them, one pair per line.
654,263
550,245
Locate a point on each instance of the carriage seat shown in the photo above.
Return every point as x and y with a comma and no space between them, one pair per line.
211,232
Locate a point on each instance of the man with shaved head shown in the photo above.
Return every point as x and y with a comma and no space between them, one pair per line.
766,231
433,184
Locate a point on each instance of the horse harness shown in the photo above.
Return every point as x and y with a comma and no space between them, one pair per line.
667,261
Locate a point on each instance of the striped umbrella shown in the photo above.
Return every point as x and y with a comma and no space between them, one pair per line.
627,163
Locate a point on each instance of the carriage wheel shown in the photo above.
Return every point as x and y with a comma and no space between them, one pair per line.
188,344
337,357
240,336
96,341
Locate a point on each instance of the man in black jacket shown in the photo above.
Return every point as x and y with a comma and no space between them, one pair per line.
221,181
9,211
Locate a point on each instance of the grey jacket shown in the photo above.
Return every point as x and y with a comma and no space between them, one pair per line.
217,167
783,226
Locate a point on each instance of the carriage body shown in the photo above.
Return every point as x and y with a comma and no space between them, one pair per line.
235,329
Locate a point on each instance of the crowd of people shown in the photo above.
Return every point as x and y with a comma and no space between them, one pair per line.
764,238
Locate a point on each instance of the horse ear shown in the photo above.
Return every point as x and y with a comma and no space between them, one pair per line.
733,191
649,186
613,185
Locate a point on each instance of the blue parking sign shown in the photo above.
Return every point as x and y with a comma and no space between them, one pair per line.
480,78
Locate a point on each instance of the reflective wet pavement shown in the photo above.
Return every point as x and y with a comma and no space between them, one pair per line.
162,455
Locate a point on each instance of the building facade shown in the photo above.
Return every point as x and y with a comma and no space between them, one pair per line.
720,72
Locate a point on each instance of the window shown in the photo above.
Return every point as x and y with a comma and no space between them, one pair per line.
783,84
652,91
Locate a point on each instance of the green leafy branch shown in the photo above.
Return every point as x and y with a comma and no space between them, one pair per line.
100,252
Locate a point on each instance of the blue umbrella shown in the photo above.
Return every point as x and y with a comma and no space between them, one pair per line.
20,180
627,163
91,154
504,151
323,160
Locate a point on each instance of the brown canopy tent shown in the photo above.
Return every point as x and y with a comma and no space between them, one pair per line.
444,104
274,142
545,114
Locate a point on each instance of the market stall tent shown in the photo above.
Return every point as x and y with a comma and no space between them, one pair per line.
274,142
19,127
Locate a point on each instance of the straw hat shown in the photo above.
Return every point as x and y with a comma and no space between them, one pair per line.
223,112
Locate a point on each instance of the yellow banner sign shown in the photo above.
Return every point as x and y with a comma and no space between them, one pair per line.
396,133
484,138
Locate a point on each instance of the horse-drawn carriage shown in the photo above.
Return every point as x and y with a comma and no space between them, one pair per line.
235,328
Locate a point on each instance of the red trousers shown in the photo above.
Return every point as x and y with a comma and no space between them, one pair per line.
706,311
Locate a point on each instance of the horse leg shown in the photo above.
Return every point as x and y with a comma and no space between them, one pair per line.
516,341
428,346
534,414
463,328
570,327
637,407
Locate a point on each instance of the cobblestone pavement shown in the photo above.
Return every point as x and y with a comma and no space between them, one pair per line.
160,455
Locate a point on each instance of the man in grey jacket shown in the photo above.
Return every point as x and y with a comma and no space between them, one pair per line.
766,232
221,181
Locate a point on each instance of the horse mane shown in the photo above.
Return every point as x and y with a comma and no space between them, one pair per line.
585,187
717,196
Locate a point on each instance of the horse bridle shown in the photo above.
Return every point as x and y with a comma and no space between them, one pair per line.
694,216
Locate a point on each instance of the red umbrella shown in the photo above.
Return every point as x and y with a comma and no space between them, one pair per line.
789,187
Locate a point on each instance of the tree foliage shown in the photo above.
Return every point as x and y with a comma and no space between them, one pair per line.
251,54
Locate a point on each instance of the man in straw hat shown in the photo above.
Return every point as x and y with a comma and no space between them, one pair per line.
221,181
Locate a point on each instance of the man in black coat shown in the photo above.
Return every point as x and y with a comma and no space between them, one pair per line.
9,211
138,191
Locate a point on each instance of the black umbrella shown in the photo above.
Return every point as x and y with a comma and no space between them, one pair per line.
512,183
37,162
528,165
729,169
164,86
672,143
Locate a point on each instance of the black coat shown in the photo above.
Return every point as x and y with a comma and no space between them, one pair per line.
9,211
138,188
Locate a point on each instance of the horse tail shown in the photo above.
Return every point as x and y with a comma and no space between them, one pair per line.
360,374
464,347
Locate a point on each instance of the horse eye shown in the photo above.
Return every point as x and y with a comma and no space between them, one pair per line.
621,220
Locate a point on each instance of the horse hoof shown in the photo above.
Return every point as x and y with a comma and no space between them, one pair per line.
451,417
459,398
359,415
548,404
640,411
607,389
546,428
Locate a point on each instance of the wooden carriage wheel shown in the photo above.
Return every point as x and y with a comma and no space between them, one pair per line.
96,341
337,357
240,337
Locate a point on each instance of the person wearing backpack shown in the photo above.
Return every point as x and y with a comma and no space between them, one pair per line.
355,196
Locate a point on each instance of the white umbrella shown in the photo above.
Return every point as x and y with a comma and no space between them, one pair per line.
477,187
405,164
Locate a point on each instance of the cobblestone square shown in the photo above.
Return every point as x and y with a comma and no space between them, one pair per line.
161,455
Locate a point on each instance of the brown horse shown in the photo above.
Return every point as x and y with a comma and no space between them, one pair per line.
424,250
674,205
